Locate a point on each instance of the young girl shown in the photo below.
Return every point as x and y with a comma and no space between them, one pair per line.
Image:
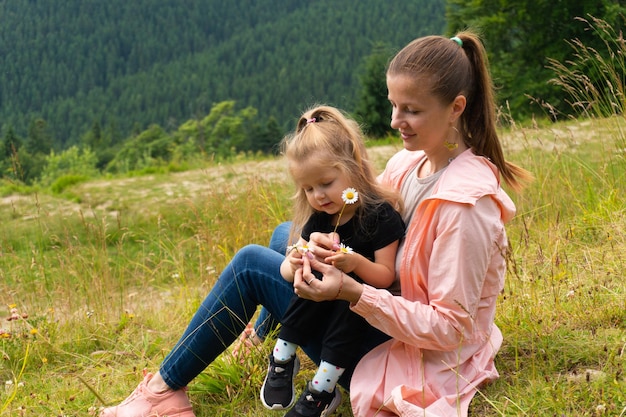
337,194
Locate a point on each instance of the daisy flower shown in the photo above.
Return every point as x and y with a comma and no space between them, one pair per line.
346,249
350,196
302,249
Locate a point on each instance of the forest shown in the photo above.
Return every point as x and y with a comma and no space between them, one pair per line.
89,86
127,65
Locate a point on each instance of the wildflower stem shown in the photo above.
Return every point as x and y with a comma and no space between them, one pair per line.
339,218
19,376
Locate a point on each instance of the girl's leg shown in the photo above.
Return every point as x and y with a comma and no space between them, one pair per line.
252,278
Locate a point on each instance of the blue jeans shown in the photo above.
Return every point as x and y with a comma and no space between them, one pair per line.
252,278
265,322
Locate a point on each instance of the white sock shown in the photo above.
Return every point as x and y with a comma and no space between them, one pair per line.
283,350
326,377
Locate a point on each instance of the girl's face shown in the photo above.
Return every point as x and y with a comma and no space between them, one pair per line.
421,118
323,185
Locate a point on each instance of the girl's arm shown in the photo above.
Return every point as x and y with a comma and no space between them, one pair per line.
380,273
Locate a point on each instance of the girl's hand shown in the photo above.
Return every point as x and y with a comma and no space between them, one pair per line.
346,262
323,245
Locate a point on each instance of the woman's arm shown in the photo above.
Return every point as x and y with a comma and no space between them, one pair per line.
450,299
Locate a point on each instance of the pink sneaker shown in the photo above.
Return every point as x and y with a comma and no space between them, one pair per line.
144,403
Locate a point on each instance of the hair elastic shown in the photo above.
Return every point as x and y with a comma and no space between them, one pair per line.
311,120
457,40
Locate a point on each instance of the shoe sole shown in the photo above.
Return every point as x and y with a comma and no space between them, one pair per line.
296,369
334,404
175,412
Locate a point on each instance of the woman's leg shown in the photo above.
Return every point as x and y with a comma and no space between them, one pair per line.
265,322
252,278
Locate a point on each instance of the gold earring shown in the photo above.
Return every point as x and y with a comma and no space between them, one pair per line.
451,145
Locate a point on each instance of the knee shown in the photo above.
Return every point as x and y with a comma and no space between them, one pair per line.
249,252
280,238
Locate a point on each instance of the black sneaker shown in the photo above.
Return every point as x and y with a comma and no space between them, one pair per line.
313,404
278,392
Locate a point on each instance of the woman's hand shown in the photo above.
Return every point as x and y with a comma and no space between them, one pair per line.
334,284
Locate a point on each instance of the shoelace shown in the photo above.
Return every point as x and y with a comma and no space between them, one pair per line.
136,393
278,374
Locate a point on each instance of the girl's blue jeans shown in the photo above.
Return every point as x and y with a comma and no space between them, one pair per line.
252,278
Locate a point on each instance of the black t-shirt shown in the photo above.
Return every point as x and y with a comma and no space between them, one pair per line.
365,232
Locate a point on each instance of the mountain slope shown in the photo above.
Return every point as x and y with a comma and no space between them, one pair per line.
130,64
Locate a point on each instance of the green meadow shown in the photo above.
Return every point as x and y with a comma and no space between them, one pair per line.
98,283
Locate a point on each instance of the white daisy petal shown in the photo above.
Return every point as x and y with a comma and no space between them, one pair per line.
346,249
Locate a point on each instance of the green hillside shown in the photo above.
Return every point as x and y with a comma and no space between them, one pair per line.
127,65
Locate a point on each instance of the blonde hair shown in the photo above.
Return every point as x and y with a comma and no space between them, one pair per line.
325,132
450,69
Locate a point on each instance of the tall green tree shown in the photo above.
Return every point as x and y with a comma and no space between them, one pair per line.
149,148
11,144
372,109
268,137
39,139
27,166
521,35
93,138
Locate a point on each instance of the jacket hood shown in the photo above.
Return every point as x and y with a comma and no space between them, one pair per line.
468,178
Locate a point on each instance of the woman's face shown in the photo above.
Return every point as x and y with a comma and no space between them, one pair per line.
322,184
420,117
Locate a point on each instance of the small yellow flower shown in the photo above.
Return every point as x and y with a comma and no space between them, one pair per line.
301,249
44,360
346,249
34,331
350,196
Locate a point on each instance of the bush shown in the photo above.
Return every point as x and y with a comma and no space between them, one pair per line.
60,184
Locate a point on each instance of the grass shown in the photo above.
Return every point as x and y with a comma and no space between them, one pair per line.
106,284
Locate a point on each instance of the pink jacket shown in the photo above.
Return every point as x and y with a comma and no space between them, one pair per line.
452,270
